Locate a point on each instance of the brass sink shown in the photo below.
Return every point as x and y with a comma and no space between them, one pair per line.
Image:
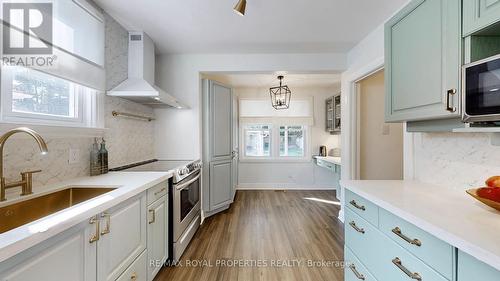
24,212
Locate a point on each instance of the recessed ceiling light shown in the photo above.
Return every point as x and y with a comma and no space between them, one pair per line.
494,89
240,7
157,98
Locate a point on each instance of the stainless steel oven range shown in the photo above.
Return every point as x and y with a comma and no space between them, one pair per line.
184,199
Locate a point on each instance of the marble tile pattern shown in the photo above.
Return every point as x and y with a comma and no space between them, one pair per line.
460,160
128,140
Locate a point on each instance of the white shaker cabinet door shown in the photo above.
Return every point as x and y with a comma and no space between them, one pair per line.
157,236
67,256
123,238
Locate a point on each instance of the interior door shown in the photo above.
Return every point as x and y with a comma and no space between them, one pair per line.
217,146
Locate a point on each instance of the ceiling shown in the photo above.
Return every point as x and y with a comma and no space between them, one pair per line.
270,80
269,26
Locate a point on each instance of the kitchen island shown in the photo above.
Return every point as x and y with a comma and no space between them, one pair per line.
439,229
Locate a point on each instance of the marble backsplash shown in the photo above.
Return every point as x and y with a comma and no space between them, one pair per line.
128,140
460,160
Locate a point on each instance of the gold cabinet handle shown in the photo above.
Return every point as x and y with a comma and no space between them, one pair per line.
160,191
400,234
413,275
133,276
353,225
95,236
107,229
153,219
362,208
356,272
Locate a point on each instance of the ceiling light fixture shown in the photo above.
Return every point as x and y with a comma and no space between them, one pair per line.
240,7
280,96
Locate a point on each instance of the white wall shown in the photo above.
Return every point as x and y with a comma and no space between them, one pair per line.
300,175
177,132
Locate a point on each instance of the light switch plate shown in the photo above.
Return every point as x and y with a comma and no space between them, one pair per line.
386,129
74,156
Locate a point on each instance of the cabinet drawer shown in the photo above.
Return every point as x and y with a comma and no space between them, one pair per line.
157,191
431,250
396,263
354,269
362,238
362,207
137,270
469,268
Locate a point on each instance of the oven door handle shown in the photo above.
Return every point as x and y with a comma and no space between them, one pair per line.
184,185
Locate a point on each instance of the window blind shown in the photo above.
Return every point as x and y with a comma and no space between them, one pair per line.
260,111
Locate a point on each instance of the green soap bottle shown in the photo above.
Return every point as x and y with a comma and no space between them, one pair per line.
95,162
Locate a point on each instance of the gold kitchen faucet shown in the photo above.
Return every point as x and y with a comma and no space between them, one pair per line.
26,182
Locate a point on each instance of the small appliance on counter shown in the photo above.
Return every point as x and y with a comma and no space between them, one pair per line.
323,151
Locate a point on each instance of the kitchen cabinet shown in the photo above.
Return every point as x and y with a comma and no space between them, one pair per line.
470,268
422,61
479,14
219,145
137,271
157,236
112,245
333,113
67,256
122,239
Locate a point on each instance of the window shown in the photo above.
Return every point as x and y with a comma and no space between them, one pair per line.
291,141
274,142
31,96
257,141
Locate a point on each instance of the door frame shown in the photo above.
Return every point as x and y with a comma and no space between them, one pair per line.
350,139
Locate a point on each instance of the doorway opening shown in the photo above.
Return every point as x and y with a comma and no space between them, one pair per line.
379,144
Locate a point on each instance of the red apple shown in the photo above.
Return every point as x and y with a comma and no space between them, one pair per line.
493,181
489,193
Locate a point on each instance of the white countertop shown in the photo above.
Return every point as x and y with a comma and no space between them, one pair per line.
128,184
447,213
331,159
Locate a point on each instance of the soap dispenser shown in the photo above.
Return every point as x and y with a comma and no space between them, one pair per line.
95,162
103,157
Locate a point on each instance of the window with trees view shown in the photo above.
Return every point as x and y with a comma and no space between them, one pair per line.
274,142
33,96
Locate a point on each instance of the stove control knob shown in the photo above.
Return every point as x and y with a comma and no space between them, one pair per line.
182,172
198,165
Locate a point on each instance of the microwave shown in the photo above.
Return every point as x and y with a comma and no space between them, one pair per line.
481,91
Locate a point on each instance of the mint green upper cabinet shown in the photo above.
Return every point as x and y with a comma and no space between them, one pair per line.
479,14
422,61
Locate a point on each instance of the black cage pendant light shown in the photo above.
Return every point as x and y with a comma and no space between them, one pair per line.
280,96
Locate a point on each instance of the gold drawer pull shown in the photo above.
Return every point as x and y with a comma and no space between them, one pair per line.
95,236
360,230
356,272
397,262
133,276
153,219
362,208
107,229
399,233
159,191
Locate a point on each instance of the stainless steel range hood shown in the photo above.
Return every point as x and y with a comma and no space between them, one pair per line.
140,86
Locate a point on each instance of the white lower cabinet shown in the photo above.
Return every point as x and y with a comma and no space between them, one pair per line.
123,238
67,256
137,271
157,236
115,245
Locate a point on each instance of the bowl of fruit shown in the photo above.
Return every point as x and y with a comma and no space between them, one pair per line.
489,195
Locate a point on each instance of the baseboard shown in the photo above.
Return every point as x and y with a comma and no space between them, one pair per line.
274,186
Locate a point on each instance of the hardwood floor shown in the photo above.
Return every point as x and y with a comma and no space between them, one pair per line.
267,235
